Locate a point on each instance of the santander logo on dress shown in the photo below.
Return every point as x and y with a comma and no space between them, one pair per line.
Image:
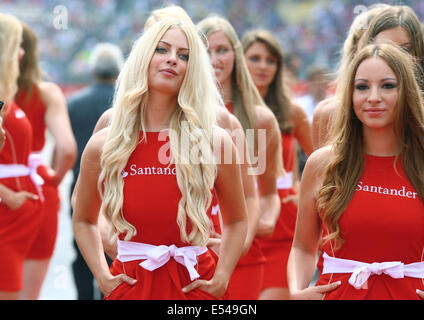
392,191
134,171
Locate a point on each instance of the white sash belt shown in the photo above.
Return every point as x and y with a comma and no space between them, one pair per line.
157,256
285,182
34,161
362,271
215,210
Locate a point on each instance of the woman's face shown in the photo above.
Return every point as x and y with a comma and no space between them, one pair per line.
397,35
168,65
375,94
262,64
222,56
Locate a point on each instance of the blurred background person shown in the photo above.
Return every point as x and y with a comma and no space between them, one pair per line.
317,81
243,99
45,106
85,108
265,61
21,214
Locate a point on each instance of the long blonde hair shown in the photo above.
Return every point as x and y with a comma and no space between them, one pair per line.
345,169
198,99
29,70
10,39
245,95
277,98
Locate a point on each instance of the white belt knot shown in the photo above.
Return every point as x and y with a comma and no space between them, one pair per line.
21,170
362,271
156,256
285,182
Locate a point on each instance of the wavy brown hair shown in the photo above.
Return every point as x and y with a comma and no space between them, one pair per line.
29,69
344,171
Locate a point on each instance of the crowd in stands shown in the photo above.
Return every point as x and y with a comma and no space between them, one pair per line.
311,30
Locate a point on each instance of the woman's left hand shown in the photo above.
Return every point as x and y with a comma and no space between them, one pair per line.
294,198
214,287
420,294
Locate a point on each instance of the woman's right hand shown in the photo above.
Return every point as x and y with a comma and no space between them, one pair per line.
106,286
314,293
17,199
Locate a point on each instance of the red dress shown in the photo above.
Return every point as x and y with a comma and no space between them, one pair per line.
17,227
384,222
277,248
247,277
35,110
151,197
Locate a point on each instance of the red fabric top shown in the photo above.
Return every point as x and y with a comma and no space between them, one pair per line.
289,150
17,147
229,107
35,110
151,194
383,222
18,137
254,255
151,197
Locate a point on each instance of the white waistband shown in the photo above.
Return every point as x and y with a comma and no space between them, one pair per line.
362,271
285,182
215,210
157,256
35,160
20,170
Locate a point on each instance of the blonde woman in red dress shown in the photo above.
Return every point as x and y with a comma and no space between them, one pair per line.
21,211
153,191
44,104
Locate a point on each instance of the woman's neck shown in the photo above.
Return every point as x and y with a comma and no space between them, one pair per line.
263,91
381,142
159,111
226,90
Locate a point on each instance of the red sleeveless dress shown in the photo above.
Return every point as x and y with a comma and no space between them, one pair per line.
34,108
247,277
277,248
151,197
18,227
384,222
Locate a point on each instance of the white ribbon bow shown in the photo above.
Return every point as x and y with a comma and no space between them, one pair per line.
157,256
361,274
20,170
362,271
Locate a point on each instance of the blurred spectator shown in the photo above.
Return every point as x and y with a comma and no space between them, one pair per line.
315,30
317,79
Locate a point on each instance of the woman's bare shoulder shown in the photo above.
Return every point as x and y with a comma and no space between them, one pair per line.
319,160
265,118
326,106
95,144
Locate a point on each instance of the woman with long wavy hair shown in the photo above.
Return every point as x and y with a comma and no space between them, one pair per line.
242,98
364,192
265,60
225,120
20,187
44,104
398,24
152,172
